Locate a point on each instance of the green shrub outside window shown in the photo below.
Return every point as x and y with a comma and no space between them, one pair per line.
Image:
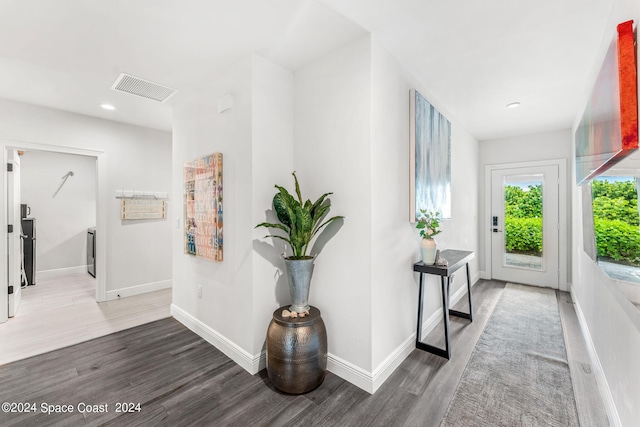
616,220
523,219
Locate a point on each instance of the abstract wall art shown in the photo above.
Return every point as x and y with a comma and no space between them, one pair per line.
430,165
203,207
608,129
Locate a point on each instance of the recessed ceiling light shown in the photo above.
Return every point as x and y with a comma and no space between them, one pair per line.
513,105
108,106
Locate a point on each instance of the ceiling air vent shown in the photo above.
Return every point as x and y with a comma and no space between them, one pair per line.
144,88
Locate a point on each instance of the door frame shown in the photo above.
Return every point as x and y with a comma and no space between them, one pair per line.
563,238
101,213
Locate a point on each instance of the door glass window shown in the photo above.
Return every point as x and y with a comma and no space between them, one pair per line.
523,221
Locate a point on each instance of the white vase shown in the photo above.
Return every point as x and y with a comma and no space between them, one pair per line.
428,248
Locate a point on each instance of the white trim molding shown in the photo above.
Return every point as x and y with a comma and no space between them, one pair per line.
138,289
601,379
366,380
371,381
59,272
562,215
247,361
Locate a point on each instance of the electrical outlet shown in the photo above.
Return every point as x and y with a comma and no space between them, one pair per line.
199,291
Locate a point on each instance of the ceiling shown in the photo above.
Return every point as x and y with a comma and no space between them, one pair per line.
471,57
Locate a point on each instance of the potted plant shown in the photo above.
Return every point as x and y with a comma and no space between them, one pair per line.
301,221
428,224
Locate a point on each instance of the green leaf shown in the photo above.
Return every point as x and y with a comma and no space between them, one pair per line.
320,213
318,203
299,220
271,225
327,222
297,187
279,237
284,206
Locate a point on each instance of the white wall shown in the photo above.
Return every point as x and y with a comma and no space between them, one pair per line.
352,137
610,322
333,153
526,148
199,130
138,254
239,294
395,241
341,122
272,163
61,221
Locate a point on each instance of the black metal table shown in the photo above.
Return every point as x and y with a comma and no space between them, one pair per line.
455,259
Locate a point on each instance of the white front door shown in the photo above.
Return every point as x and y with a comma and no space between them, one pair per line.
14,251
525,225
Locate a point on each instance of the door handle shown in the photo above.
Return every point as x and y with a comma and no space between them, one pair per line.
495,230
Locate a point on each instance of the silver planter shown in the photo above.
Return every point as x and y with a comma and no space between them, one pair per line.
299,273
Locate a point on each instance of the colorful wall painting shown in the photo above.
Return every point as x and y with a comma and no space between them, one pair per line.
608,129
430,167
203,207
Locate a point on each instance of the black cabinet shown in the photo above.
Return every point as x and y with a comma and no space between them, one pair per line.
91,251
29,250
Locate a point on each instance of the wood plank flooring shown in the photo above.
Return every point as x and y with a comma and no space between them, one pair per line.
62,311
181,380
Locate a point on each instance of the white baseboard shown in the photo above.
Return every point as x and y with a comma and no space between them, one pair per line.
139,289
350,372
248,362
371,381
367,381
58,272
430,323
391,363
601,379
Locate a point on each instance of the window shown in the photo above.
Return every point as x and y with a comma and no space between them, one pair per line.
616,226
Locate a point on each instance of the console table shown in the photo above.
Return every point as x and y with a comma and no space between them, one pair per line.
455,259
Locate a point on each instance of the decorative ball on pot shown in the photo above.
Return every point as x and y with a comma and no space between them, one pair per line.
429,226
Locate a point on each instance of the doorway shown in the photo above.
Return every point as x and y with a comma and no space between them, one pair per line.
527,216
7,270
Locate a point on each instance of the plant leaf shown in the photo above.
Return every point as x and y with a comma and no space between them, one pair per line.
297,187
284,204
317,204
320,213
327,222
271,225
279,237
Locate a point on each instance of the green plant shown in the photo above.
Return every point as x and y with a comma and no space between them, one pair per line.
428,224
523,235
616,219
617,240
521,203
616,208
300,220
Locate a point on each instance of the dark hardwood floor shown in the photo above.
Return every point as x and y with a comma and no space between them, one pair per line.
178,379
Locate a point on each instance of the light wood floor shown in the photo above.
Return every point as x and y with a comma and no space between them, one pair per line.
62,311
181,380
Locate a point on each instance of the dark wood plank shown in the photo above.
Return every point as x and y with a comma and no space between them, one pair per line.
181,380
